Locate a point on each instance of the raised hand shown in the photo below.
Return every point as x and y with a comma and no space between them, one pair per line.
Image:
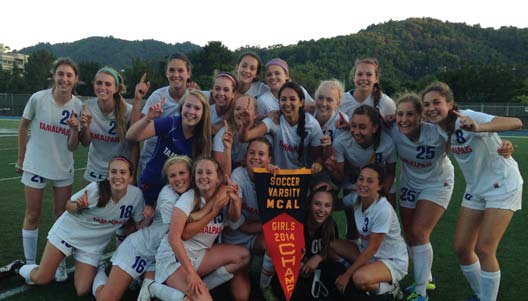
326,140
156,109
341,122
73,122
227,137
86,117
466,122
142,87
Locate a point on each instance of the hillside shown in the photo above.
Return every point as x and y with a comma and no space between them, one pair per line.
111,51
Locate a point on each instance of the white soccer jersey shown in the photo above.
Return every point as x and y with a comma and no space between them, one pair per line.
386,105
331,125
348,151
171,107
105,142
257,89
238,150
47,153
267,102
250,209
286,141
199,241
380,217
486,172
146,240
215,118
92,228
424,163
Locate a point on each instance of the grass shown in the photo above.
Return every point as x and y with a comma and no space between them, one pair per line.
450,283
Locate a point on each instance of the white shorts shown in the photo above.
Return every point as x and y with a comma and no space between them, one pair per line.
244,240
166,266
67,249
38,182
509,201
397,267
438,194
129,260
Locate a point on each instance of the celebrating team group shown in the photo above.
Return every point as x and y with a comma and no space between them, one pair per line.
184,209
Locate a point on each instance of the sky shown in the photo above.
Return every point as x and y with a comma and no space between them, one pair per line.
235,23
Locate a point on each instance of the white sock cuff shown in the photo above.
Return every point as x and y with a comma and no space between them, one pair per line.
490,275
422,248
384,287
30,233
224,274
26,269
99,279
470,267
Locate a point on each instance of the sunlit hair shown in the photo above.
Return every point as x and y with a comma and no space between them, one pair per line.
302,118
174,160
334,84
105,192
255,56
182,57
120,105
444,90
375,119
202,144
328,233
376,90
219,173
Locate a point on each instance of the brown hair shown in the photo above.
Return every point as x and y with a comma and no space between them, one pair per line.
376,90
105,192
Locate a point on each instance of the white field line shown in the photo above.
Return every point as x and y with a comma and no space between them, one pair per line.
9,148
19,177
25,287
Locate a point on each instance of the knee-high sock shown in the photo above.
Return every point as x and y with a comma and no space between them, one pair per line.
489,285
267,271
30,241
472,274
217,277
423,261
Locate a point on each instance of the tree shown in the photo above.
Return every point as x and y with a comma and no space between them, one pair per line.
37,70
87,74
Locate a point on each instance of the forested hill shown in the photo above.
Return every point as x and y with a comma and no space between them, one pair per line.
111,51
481,64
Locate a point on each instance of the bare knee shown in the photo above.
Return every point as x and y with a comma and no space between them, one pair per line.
361,280
484,252
463,251
82,289
105,295
31,219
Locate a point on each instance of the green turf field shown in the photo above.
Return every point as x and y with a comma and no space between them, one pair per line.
450,283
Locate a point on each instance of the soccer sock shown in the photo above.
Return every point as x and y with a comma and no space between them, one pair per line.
26,269
164,292
472,274
99,279
29,241
489,285
267,271
217,277
423,260
119,236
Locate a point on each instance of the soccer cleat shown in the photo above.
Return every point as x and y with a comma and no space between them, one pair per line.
61,274
430,286
268,294
473,298
415,297
396,292
11,269
144,292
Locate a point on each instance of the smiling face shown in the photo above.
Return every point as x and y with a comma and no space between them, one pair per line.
119,175
177,74
206,176
365,77
223,91
179,177
436,107
275,77
192,111
258,155
65,78
408,119
321,206
290,103
368,184
104,86
247,70
327,102
362,129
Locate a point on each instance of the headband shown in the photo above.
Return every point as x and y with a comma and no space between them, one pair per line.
230,77
278,62
112,72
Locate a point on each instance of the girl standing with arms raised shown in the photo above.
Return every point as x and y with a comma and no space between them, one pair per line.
493,185
104,121
47,156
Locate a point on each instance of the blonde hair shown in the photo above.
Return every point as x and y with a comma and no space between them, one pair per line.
202,142
173,160
120,105
332,83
